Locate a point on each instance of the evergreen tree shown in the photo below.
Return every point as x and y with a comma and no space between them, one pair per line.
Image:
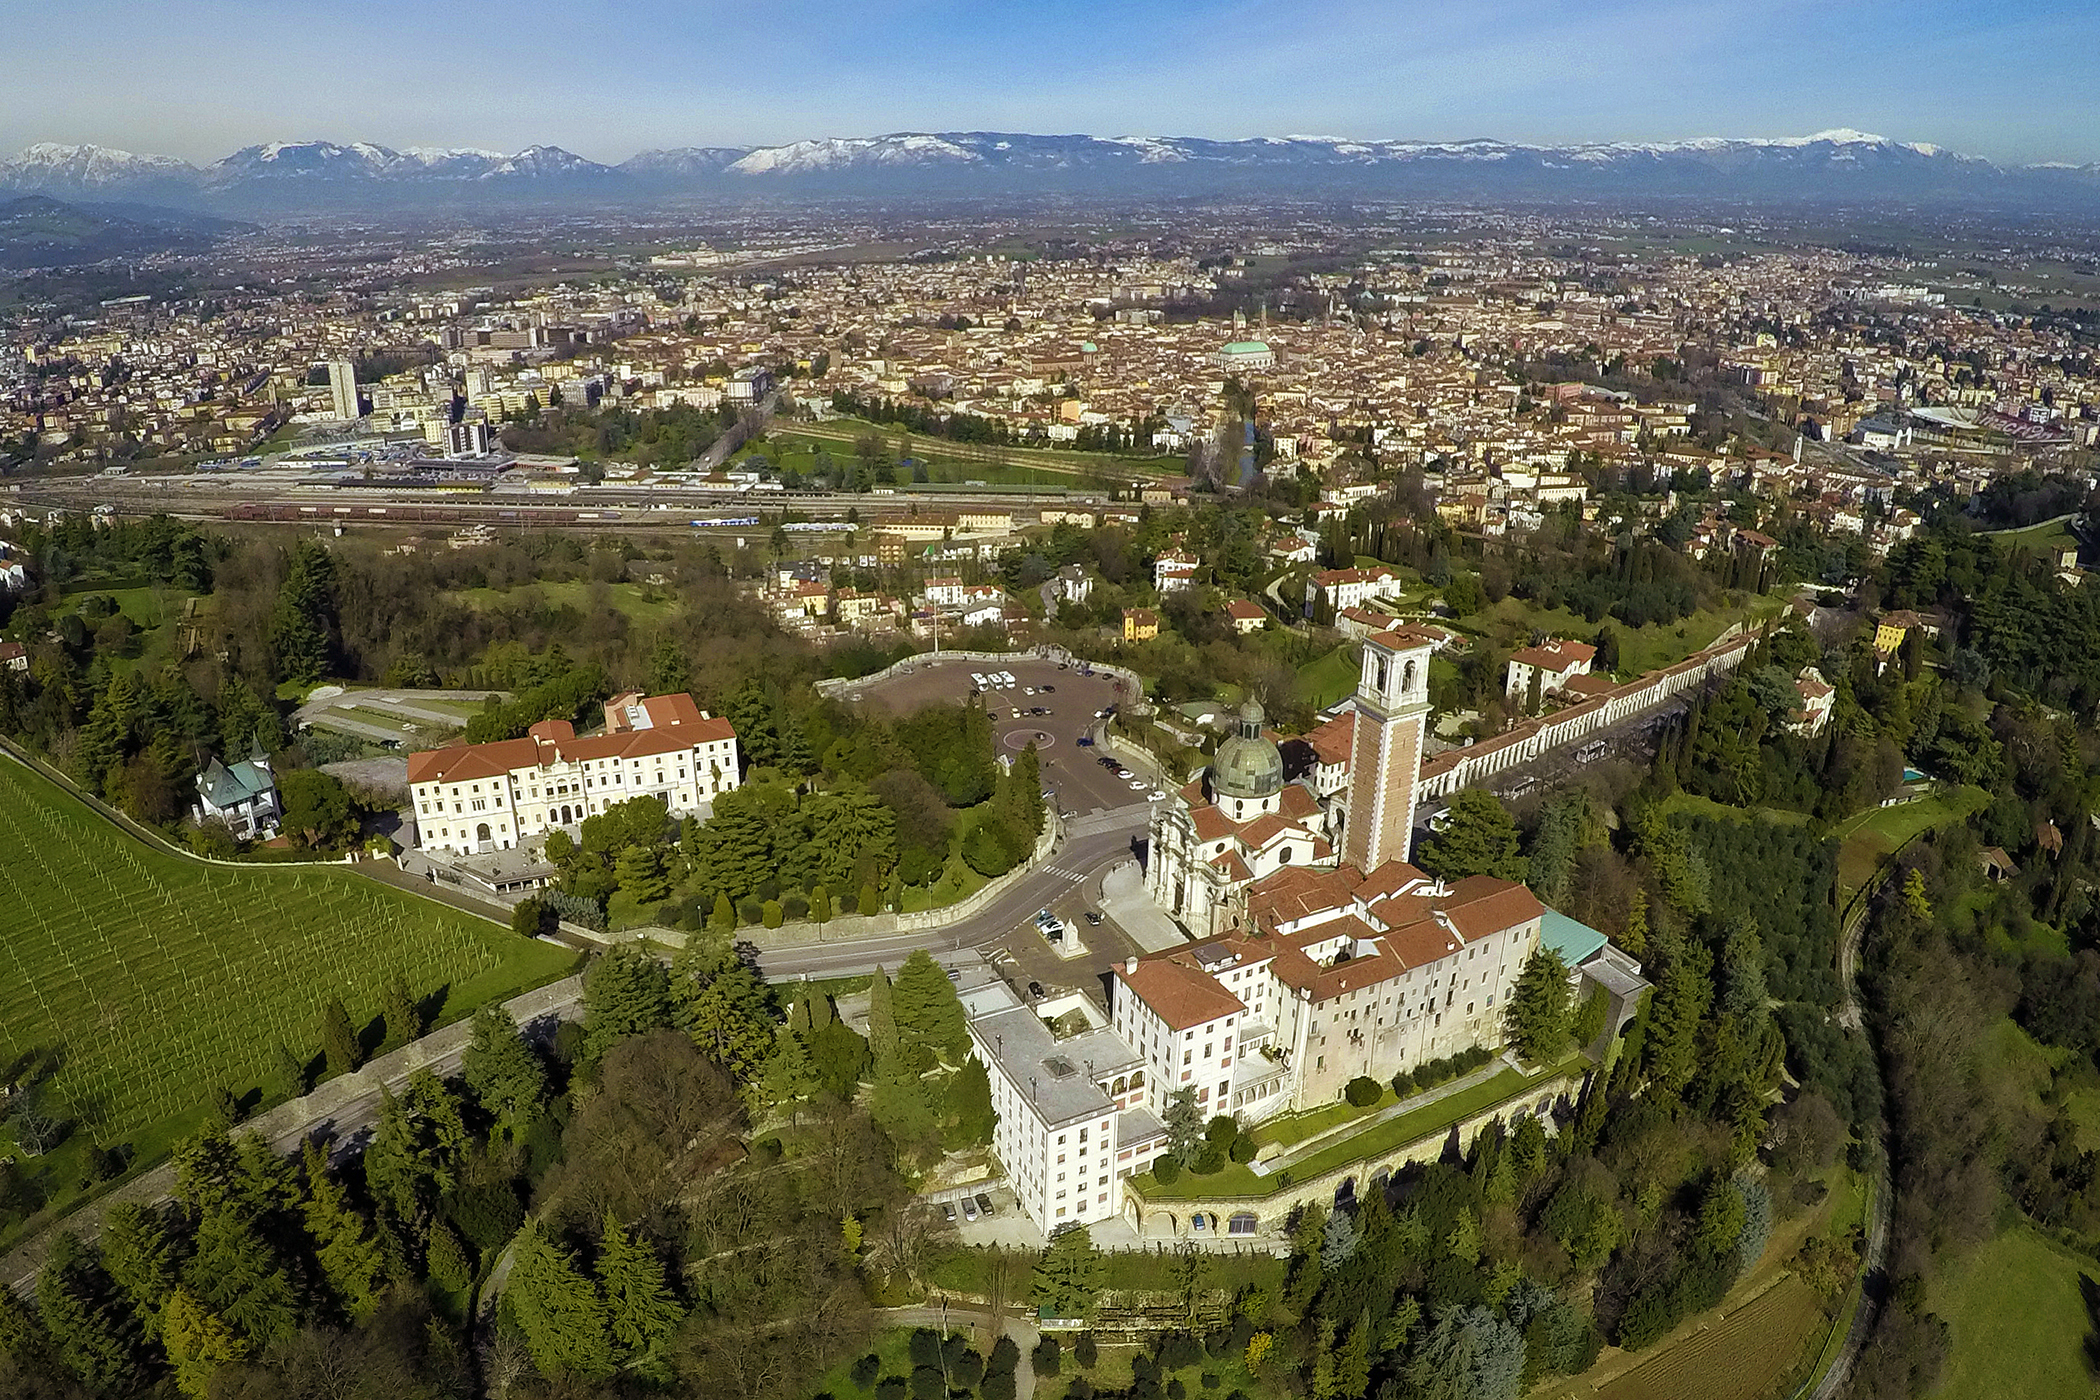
287,1075
627,993
91,1330
404,1019
820,904
558,1309
199,1342
882,1018
968,1105
641,874
927,1009
237,1275
725,1007
1479,838
338,1037
1068,1275
143,1256
789,1076
722,922
1536,1020
446,1259
351,1257
1352,1362
1184,1124
902,1108
505,1076
414,1158
641,1312
302,627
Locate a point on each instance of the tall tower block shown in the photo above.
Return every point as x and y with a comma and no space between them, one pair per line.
1392,709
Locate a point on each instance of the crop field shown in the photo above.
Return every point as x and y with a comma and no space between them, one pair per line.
1737,1358
149,978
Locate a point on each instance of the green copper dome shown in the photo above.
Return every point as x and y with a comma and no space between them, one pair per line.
1248,765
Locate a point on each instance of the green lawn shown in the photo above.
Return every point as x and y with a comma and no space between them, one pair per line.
1374,1141
639,603
1692,804
1870,836
1331,679
147,977
2049,535
1510,623
2015,1320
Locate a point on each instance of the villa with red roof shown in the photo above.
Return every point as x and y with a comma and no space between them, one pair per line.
471,798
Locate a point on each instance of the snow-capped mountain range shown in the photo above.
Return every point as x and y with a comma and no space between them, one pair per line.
289,176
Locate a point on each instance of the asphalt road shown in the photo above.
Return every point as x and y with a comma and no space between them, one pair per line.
1105,816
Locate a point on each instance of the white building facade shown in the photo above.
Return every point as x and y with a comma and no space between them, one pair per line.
486,797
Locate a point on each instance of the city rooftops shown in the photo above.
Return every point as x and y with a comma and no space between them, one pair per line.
1061,1076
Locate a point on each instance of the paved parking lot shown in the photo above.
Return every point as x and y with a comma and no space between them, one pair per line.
1070,768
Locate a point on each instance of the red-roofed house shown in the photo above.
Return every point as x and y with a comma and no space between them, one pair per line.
1555,662
489,797
1246,617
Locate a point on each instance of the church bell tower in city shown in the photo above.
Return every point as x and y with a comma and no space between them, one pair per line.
1392,711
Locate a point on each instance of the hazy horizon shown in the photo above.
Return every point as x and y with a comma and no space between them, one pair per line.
199,79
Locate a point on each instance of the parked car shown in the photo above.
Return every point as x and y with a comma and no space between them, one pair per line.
1050,689
969,1208
984,1203
1035,989
1086,741
1093,916
1155,797
948,1211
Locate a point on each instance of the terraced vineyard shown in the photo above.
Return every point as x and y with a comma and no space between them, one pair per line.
151,977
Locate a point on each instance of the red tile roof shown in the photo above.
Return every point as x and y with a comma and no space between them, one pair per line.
1179,992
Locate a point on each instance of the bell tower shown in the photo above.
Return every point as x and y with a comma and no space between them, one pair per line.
1392,709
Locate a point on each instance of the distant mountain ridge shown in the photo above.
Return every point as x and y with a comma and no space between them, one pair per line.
290,176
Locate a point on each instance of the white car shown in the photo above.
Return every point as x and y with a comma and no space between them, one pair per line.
1137,784
1155,797
977,679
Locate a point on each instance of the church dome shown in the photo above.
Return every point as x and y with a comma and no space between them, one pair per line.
1247,765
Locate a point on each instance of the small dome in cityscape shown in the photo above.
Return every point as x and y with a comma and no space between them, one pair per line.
1248,765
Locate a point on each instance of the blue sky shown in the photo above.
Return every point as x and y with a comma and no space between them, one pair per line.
605,78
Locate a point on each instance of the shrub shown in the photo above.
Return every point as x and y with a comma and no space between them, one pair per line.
1403,1084
1222,1130
1178,1351
1243,1149
998,1385
1085,1351
1166,1171
1209,1161
927,1383
866,1370
924,1347
794,906
1048,1357
749,910
1363,1091
1006,1355
890,1388
773,916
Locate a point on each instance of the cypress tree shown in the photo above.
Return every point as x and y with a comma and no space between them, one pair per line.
640,1311
287,1075
558,1309
882,1017
723,919
338,1037
404,1019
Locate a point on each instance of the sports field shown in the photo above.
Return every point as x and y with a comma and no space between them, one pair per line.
148,977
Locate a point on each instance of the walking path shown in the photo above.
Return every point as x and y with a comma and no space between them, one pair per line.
342,1109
